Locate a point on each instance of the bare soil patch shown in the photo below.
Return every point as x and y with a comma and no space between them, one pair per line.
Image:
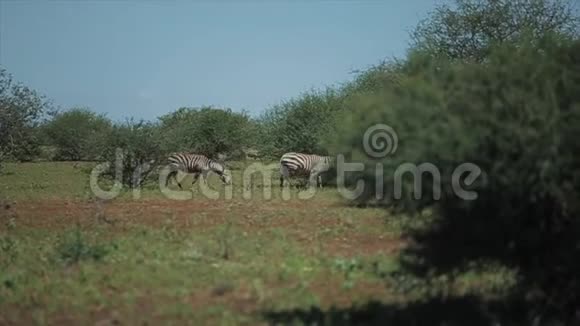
306,222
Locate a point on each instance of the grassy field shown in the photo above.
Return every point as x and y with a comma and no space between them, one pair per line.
67,258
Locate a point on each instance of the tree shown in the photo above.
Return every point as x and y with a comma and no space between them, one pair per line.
300,124
207,130
78,134
469,29
376,78
517,117
20,111
137,144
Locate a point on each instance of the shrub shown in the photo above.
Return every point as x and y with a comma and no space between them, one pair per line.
137,146
78,134
300,124
207,130
469,29
73,248
513,117
374,79
20,111
516,116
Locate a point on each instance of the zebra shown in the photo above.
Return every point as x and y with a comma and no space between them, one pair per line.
196,164
292,164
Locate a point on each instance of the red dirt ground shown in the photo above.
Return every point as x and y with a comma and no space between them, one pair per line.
303,221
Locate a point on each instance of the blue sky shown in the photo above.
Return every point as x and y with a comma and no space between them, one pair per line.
146,58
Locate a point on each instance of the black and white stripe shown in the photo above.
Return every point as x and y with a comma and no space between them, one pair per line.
294,164
196,164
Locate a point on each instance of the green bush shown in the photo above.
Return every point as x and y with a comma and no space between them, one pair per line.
374,79
300,124
20,111
208,131
514,117
137,147
73,247
78,134
470,28
517,117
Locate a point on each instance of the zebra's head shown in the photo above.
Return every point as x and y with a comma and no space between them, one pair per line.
226,176
222,171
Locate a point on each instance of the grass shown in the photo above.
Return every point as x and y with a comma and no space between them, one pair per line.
45,180
67,258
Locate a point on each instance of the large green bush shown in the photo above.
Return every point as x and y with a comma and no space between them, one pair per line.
517,117
20,111
78,134
137,147
209,131
374,79
468,29
300,124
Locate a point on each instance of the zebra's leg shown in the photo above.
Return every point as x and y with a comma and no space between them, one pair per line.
204,174
284,174
195,177
170,175
312,180
178,183
316,176
173,175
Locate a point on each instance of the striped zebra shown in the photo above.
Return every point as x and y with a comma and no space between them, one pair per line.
196,164
293,164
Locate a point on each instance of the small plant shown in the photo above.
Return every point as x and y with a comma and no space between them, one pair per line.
73,247
7,215
225,241
8,249
386,267
348,267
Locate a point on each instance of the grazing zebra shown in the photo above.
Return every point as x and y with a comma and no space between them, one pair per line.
196,164
292,164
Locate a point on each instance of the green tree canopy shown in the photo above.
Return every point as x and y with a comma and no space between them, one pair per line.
207,130
468,29
20,111
78,134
